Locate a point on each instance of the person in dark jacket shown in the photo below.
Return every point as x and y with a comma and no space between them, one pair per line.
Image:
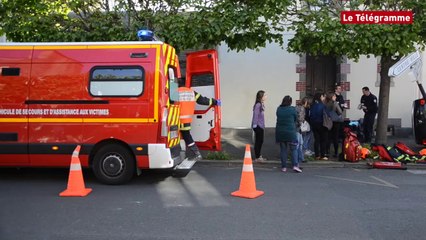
285,133
320,132
333,107
369,106
343,105
339,98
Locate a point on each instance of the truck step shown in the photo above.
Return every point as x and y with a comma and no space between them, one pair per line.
186,164
184,168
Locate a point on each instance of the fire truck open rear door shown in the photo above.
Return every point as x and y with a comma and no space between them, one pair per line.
202,75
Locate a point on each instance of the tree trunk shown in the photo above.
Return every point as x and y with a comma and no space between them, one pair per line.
382,119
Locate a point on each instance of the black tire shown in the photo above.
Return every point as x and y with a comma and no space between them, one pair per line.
113,164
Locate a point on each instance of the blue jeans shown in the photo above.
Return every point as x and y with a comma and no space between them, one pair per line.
300,152
284,147
307,136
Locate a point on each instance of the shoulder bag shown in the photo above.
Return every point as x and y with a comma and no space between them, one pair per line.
326,120
305,127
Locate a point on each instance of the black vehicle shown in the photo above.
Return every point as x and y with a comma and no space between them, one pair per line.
419,121
419,117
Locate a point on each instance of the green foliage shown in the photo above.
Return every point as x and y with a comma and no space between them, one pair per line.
241,24
222,155
182,23
319,31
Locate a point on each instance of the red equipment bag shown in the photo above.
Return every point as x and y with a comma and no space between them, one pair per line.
383,152
352,147
389,165
405,149
393,154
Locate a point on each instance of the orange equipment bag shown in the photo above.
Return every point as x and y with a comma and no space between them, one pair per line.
352,147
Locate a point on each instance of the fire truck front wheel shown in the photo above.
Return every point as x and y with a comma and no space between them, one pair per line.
114,164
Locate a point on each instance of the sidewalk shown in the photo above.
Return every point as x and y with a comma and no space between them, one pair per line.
235,140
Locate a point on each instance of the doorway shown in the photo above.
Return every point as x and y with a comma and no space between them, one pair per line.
321,74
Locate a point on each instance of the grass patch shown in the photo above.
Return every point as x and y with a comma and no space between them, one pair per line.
221,155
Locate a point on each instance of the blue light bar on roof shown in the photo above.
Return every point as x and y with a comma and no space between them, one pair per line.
145,35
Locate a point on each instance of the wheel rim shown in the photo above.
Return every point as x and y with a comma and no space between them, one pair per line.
113,165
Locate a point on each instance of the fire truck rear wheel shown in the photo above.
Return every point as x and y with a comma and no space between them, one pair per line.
114,164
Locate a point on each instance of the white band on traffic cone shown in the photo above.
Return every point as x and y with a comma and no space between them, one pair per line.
75,167
247,167
75,154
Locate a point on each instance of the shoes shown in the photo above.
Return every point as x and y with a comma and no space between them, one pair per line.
196,158
324,158
297,169
196,153
283,169
309,153
260,160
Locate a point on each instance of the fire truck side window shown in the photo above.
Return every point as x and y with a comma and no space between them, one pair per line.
173,85
116,81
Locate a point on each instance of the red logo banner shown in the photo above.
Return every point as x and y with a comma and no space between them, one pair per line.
376,17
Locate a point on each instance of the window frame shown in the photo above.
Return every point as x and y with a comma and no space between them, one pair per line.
196,78
114,67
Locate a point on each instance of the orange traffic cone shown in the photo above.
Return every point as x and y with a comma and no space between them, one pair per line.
248,182
76,186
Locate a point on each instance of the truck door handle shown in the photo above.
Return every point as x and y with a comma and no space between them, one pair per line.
199,116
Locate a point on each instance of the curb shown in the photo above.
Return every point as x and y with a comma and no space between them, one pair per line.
313,164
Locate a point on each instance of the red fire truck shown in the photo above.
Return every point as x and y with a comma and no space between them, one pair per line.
118,100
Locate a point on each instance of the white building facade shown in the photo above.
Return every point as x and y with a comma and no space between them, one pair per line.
281,73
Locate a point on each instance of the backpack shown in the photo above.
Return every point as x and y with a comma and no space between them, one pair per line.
356,127
411,155
392,154
383,152
352,147
404,149
396,155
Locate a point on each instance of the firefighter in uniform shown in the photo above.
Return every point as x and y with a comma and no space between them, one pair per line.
369,106
187,100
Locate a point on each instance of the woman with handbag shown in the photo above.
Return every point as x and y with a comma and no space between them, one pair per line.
305,127
317,111
302,126
332,106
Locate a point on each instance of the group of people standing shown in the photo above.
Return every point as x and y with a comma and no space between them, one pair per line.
295,126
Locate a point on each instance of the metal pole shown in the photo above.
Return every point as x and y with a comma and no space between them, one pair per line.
422,90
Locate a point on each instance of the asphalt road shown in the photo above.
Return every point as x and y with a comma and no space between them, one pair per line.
320,203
